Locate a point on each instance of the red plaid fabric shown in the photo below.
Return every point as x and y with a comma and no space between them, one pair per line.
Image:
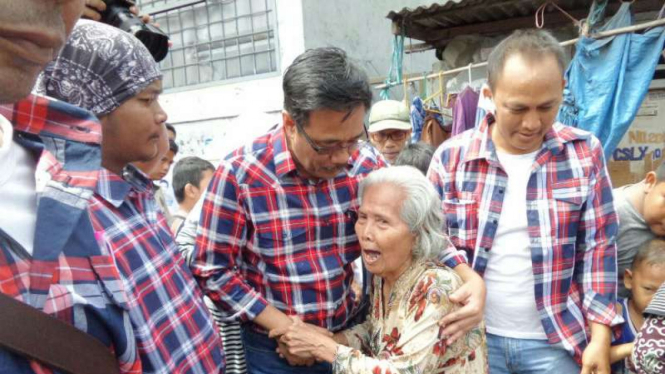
69,276
571,217
268,236
174,331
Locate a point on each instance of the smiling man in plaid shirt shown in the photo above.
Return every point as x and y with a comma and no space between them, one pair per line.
530,200
276,236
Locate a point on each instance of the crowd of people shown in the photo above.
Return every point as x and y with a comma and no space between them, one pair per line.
323,246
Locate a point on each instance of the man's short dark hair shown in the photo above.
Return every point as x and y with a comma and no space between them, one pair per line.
418,155
169,127
530,43
173,147
324,78
651,253
660,172
188,170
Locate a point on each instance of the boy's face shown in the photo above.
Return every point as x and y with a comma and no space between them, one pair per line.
654,204
643,283
164,166
133,131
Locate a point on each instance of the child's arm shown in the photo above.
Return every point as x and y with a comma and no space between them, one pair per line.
621,351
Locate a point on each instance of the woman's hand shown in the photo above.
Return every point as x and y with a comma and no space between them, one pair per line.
306,340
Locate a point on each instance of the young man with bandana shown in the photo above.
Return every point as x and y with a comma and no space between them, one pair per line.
49,166
111,73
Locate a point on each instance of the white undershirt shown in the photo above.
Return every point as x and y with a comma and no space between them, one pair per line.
510,308
18,196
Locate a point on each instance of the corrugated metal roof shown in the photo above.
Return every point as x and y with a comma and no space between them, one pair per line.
456,13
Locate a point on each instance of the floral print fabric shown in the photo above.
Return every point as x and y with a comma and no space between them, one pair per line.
406,337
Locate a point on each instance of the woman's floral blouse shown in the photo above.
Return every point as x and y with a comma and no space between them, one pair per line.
406,338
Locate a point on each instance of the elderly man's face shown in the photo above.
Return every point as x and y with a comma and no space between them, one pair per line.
390,142
527,95
32,32
385,239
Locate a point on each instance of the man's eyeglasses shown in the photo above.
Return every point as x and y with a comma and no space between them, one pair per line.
396,136
350,147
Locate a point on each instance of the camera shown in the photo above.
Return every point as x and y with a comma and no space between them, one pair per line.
117,14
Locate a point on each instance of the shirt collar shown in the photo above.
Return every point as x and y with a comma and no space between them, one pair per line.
284,163
46,117
115,189
482,146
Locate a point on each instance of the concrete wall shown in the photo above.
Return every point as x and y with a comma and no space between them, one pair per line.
214,120
362,29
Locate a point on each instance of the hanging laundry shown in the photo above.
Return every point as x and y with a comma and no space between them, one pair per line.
608,79
464,111
419,115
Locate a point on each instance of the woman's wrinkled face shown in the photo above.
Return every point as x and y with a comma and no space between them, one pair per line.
385,240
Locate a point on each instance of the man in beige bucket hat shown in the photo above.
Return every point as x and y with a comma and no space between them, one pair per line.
389,128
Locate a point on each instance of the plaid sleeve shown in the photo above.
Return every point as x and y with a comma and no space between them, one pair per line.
597,239
437,174
221,236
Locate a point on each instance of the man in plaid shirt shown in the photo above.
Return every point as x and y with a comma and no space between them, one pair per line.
174,331
531,202
276,235
49,163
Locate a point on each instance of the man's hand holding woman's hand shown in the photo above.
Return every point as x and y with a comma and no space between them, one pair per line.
304,341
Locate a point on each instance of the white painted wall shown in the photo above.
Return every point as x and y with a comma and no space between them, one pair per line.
214,120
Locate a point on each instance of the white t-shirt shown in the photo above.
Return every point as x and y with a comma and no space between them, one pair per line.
510,308
18,195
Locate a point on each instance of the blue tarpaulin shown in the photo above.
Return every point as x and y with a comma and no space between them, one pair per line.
608,79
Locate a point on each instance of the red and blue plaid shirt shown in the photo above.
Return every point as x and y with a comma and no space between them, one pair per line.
174,331
69,275
268,236
571,219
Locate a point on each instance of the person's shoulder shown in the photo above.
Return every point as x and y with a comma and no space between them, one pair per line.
437,275
366,160
574,136
256,153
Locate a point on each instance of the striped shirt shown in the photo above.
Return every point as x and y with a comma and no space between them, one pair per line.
572,224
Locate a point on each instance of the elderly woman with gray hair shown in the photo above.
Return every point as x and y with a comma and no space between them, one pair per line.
400,231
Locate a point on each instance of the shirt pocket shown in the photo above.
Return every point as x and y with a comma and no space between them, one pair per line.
280,239
569,198
462,222
571,191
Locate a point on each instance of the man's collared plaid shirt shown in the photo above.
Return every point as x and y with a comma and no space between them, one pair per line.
174,331
571,218
69,275
269,236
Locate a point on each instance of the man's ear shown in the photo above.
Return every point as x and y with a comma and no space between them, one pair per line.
289,123
190,191
628,279
488,93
